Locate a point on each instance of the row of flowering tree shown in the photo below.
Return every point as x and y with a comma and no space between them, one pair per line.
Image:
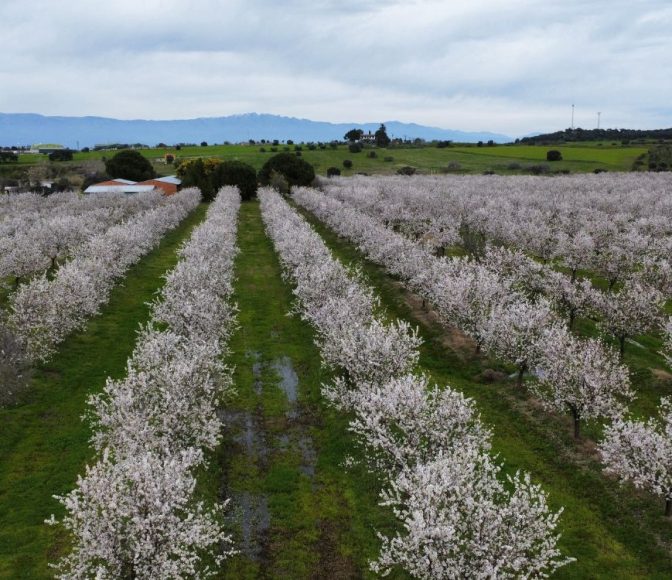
44,311
635,253
641,451
458,516
490,307
134,513
581,377
610,224
33,239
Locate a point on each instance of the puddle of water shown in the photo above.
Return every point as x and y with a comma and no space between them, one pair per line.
247,432
250,511
289,383
283,441
258,383
308,456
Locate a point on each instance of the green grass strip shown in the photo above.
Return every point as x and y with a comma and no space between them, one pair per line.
282,456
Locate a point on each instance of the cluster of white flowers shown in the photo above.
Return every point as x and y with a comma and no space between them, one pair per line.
37,234
134,513
496,300
429,445
608,223
579,222
44,311
641,452
485,300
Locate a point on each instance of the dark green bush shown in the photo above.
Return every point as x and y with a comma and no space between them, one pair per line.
66,155
332,171
236,173
130,164
295,170
406,170
553,155
347,163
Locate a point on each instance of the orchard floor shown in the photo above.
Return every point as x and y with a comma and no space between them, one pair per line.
295,511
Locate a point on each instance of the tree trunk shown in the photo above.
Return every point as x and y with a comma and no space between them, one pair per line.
621,340
612,281
521,372
424,304
573,275
668,507
572,317
478,347
577,424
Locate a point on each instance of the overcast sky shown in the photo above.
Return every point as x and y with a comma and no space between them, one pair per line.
510,66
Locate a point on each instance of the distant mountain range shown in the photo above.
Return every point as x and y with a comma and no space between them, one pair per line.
28,129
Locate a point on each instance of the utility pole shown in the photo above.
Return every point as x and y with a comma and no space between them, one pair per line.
572,116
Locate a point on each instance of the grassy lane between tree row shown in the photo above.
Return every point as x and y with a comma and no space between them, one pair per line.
612,531
295,512
43,440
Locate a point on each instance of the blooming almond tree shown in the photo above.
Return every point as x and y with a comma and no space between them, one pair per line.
460,521
667,352
641,452
514,331
582,376
136,518
404,421
634,310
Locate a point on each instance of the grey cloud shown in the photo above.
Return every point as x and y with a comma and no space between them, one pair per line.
511,66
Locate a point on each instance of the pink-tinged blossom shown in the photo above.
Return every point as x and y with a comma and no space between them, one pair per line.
581,376
134,513
427,444
405,421
635,309
44,311
641,452
136,517
514,331
460,521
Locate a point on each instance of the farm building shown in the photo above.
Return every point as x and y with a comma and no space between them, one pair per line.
169,185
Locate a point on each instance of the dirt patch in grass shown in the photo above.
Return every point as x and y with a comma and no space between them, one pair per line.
661,374
332,563
451,336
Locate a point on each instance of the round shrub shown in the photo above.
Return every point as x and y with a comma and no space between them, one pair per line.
129,164
332,171
236,173
355,147
372,154
553,155
406,170
347,163
296,170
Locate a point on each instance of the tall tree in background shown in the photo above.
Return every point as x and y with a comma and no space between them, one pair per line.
129,164
353,135
382,140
